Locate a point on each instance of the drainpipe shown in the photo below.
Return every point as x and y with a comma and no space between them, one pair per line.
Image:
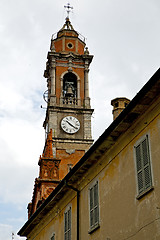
78,194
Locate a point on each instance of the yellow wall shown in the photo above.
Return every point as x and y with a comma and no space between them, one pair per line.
122,215
54,221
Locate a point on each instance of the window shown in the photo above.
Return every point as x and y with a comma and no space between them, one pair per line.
94,207
67,224
143,165
70,45
53,237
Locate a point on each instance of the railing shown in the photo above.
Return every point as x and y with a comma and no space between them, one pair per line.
80,36
70,101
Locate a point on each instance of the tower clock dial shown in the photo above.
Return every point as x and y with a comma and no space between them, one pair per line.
70,124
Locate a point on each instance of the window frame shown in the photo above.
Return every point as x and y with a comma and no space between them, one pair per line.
141,171
93,208
67,224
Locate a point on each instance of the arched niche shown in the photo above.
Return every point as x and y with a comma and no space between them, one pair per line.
70,88
69,85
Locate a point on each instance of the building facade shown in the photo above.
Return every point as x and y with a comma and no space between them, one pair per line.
113,192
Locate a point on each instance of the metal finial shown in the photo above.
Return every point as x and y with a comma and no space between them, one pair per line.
68,9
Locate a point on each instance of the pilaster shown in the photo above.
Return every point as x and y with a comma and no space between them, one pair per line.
52,71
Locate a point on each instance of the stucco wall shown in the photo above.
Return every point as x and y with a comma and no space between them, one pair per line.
122,215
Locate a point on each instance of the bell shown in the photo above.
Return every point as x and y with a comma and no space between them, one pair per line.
69,91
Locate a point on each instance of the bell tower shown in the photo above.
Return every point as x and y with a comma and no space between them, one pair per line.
67,122
68,111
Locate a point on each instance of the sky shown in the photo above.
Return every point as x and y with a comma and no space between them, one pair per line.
123,36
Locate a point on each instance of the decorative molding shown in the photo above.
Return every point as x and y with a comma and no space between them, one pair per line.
66,64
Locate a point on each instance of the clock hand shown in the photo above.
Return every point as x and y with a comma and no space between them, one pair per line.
71,125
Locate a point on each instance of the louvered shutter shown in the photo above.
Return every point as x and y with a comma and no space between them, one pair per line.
146,164
94,206
67,225
91,208
139,169
143,166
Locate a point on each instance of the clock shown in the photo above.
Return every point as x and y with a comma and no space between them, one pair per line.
70,124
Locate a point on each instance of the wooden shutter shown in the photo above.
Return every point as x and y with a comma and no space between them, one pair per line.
94,206
139,169
143,166
91,208
67,224
146,164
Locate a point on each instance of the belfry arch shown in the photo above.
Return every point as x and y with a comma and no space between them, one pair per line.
70,88
70,85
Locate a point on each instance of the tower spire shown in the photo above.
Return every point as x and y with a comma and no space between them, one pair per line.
48,153
68,9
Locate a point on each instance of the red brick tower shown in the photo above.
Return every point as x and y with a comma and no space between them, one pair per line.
68,116
68,104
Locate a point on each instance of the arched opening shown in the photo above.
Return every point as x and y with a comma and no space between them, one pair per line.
70,88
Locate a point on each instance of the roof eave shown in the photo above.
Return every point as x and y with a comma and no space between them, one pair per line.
129,115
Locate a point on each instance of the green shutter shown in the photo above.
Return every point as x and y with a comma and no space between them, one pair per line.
145,153
91,208
65,221
144,176
140,182
96,209
96,194
139,169
94,206
146,164
138,157
96,215
67,225
91,198
147,176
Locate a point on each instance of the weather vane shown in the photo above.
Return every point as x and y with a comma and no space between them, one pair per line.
68,9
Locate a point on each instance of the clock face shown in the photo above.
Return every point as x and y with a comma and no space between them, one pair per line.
70,124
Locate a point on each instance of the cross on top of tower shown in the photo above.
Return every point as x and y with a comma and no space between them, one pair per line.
68,9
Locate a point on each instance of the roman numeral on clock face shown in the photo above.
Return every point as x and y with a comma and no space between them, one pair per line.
70,124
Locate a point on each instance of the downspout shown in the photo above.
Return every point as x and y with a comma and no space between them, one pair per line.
78,194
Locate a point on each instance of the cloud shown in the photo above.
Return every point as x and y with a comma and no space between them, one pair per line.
6,232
